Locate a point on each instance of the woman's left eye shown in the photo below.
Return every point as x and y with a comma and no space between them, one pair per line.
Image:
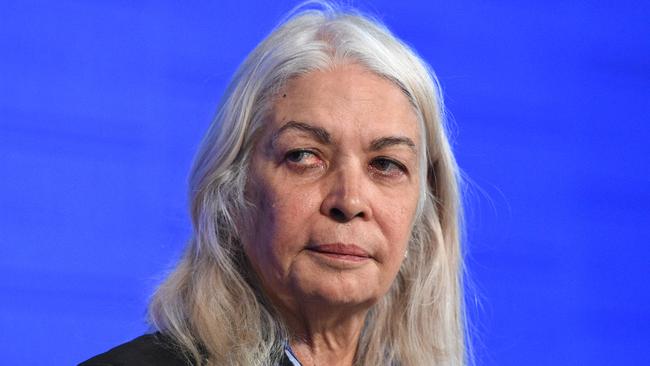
388,167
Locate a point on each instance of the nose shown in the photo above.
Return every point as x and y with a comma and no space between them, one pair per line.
346,196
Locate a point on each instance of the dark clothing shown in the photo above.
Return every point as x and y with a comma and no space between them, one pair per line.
149,350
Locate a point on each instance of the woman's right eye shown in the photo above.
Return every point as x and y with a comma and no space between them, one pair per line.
303,158
296,156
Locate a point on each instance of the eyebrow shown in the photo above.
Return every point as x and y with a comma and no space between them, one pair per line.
383,142
324,137
318,133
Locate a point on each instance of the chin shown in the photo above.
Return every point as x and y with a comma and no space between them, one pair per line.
336,290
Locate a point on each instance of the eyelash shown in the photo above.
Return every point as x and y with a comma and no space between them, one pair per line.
389,173
296,161
401,168
302,152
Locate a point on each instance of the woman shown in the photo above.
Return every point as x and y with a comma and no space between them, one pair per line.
325,209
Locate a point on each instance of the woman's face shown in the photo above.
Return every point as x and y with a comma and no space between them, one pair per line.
334,176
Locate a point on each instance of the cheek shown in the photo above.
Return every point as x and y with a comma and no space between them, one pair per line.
281,226
295,205
396,220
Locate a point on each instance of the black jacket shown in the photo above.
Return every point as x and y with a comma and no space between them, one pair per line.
147,350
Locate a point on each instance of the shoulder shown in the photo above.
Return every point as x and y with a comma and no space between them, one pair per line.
149,349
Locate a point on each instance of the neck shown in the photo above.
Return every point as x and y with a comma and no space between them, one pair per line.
325,336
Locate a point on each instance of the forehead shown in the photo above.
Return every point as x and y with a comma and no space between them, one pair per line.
347,100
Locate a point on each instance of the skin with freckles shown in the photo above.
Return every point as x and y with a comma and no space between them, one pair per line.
334,175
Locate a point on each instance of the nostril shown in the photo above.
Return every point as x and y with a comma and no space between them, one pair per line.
338,215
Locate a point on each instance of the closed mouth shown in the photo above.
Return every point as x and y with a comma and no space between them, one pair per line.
340,251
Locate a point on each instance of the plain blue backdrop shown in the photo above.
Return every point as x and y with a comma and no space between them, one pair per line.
103,103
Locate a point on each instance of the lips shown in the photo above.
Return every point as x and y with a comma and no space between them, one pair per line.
340,251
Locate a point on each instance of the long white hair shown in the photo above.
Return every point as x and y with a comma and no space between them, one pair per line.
211,304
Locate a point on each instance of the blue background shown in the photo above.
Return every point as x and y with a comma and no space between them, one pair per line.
102,105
